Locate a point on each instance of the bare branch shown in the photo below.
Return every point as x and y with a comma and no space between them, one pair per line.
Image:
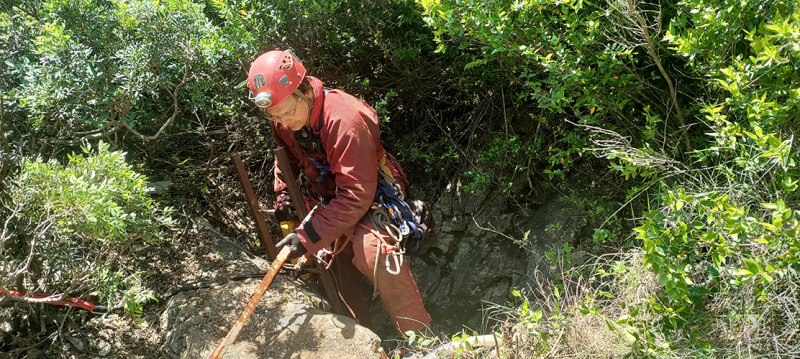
614,145
5,232
120,124
6,148
631,29
491,229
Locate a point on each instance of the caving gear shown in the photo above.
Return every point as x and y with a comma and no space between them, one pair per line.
343,138
287,227
293,242
388,193
273,77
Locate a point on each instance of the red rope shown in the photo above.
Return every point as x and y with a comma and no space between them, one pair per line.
71,302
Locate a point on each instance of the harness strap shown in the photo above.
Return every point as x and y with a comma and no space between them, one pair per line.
323,169
388,193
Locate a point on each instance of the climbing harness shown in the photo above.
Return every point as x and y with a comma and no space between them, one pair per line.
379,219
388,194
389,211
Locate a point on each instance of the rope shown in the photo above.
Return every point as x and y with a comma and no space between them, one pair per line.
379,219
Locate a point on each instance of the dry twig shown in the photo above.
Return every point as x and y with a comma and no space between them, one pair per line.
633,25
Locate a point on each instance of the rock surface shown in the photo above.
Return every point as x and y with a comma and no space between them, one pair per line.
472,267
283,325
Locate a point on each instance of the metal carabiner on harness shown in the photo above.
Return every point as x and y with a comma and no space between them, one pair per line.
404,228
402,224
397,261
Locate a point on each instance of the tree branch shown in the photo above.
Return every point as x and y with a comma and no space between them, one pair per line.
491,229
6,148
120,124
651,50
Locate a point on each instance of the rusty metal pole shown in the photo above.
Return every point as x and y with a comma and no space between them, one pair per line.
255,209
328,285
291,183
251,305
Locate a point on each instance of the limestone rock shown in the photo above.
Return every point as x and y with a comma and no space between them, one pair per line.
473,267
283,325
280,327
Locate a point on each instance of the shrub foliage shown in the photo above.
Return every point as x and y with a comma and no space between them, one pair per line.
692,104
72,228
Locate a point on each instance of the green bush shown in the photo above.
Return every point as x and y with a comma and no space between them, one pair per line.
74,227
721,234
695,105
98,62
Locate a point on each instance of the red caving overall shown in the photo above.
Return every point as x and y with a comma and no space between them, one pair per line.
350,136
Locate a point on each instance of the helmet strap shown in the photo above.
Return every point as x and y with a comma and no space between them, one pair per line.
310,103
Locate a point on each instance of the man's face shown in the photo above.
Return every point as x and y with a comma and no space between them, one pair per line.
291,113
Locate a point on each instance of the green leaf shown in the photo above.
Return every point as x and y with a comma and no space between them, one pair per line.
712,272
628,336
752,266
766,276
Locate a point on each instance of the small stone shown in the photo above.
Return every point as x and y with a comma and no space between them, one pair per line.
76,343
104,349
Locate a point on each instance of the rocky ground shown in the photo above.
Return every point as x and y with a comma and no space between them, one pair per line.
189,323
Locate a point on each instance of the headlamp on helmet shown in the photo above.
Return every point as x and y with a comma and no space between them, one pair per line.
262,100
273,77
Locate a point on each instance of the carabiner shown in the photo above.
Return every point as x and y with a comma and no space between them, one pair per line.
404,229
396,264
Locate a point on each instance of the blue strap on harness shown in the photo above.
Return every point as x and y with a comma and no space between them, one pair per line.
323,169
387,195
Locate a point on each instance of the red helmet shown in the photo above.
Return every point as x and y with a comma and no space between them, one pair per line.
273,77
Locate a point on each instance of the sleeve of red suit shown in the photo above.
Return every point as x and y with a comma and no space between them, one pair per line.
351,152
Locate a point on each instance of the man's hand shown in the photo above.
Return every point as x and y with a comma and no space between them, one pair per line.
285,210
285,213
293,241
